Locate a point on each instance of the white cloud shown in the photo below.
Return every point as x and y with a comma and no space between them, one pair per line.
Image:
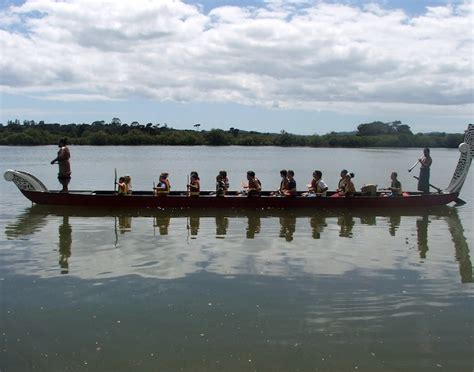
296,54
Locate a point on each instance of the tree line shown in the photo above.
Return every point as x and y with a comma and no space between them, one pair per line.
116,133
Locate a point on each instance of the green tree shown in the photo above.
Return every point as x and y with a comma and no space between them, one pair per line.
216,137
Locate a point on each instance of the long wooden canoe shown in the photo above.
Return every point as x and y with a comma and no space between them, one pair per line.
37,192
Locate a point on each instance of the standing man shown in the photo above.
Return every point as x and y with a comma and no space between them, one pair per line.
64,175
424,179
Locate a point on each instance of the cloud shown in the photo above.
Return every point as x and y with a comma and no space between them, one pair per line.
296,54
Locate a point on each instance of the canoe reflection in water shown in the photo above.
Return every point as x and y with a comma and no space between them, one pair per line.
170,225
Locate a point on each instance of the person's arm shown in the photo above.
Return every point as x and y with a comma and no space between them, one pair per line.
55,159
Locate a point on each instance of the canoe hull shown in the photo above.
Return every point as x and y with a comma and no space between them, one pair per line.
91,199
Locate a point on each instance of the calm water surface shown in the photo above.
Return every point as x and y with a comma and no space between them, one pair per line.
117,290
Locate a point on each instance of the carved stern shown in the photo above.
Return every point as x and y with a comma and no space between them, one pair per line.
462,169
24,181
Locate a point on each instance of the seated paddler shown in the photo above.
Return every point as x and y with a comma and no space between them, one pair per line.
225,179
194,186
317,187
283,187
163,187
122,186
291,188
254,185
128,181
395,185
220,185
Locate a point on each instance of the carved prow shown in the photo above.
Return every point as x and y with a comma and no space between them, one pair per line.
24,180
462,169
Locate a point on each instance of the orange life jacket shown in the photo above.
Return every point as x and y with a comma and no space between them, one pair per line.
194,187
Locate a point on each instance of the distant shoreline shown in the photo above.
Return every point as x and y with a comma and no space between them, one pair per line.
369,135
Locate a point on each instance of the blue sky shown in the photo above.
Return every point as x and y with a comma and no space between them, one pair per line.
301,66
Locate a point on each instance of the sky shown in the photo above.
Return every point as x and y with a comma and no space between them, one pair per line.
303,66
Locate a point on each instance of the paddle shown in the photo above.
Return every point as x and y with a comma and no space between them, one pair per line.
413,166
188,225
458,201
115,181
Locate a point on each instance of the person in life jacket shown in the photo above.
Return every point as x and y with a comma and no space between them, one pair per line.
349,188
225,179
283,184
340,191
122,186
128,182
254,185
291,187
163,187
194,186
342,181
220,185
317,187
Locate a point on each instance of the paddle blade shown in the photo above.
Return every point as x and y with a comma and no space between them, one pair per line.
459,202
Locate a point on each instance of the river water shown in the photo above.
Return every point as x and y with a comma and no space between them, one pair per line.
117,290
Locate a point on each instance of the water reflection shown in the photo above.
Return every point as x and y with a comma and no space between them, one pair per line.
162,223
125,223
253,225
65,242
288,227
292,227
346,222
222,224
394,224
194,225
422,235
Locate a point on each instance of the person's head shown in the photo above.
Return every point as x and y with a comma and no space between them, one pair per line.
194,175
394,175
163,176
121,179
426,151
343,173
127,179
283,173
250,175
317,174
291,174
62,142
223,173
